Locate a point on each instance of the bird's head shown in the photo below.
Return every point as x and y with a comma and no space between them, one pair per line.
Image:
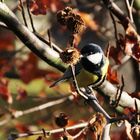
92,57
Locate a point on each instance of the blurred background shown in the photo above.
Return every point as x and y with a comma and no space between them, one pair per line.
25,79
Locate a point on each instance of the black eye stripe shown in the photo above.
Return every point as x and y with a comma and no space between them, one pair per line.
88,54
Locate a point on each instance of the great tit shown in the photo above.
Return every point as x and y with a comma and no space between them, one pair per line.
91,69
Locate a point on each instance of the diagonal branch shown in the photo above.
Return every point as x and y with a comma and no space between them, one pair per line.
51,57
29,39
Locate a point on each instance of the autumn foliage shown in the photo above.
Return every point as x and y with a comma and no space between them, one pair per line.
25,79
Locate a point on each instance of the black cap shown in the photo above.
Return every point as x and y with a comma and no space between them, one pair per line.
88,65
91,49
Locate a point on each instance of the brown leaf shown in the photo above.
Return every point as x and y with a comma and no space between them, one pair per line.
132,43
97,123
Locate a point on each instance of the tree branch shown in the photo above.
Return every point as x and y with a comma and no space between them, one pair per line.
29,39
50,132
16,114
52,57
124,19
125,100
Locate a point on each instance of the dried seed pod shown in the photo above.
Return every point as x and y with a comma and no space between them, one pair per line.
70,56
67,10
61,120
61,17
97,123
75,23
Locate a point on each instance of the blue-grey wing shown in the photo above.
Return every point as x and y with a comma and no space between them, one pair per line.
67,74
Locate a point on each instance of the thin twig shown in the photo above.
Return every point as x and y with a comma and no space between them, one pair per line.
129,8
49,43
71,41
55,47
40,107
119,93
76,84
137,113
44,133
17,114
23,13
30,16
115,27
107,51
29,39
124,20
105,135
80,133
49,36
125,59
51,132
45,53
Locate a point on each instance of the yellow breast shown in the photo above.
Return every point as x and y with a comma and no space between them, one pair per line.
85,78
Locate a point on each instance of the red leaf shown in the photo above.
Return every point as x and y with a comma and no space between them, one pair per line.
22,94
28,70
128,111
41,6
38,7
132,43
22,127
6,50
116,54
5,94
112,76
7,39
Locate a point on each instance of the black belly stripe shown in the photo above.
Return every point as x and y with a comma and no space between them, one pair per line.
98,82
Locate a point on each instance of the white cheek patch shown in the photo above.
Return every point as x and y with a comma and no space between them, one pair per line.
95,58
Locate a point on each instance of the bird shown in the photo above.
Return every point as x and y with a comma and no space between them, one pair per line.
91,70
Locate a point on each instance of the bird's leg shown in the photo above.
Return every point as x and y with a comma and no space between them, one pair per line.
93,93
89,90
76,84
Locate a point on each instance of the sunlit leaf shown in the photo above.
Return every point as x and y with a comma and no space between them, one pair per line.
112,76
